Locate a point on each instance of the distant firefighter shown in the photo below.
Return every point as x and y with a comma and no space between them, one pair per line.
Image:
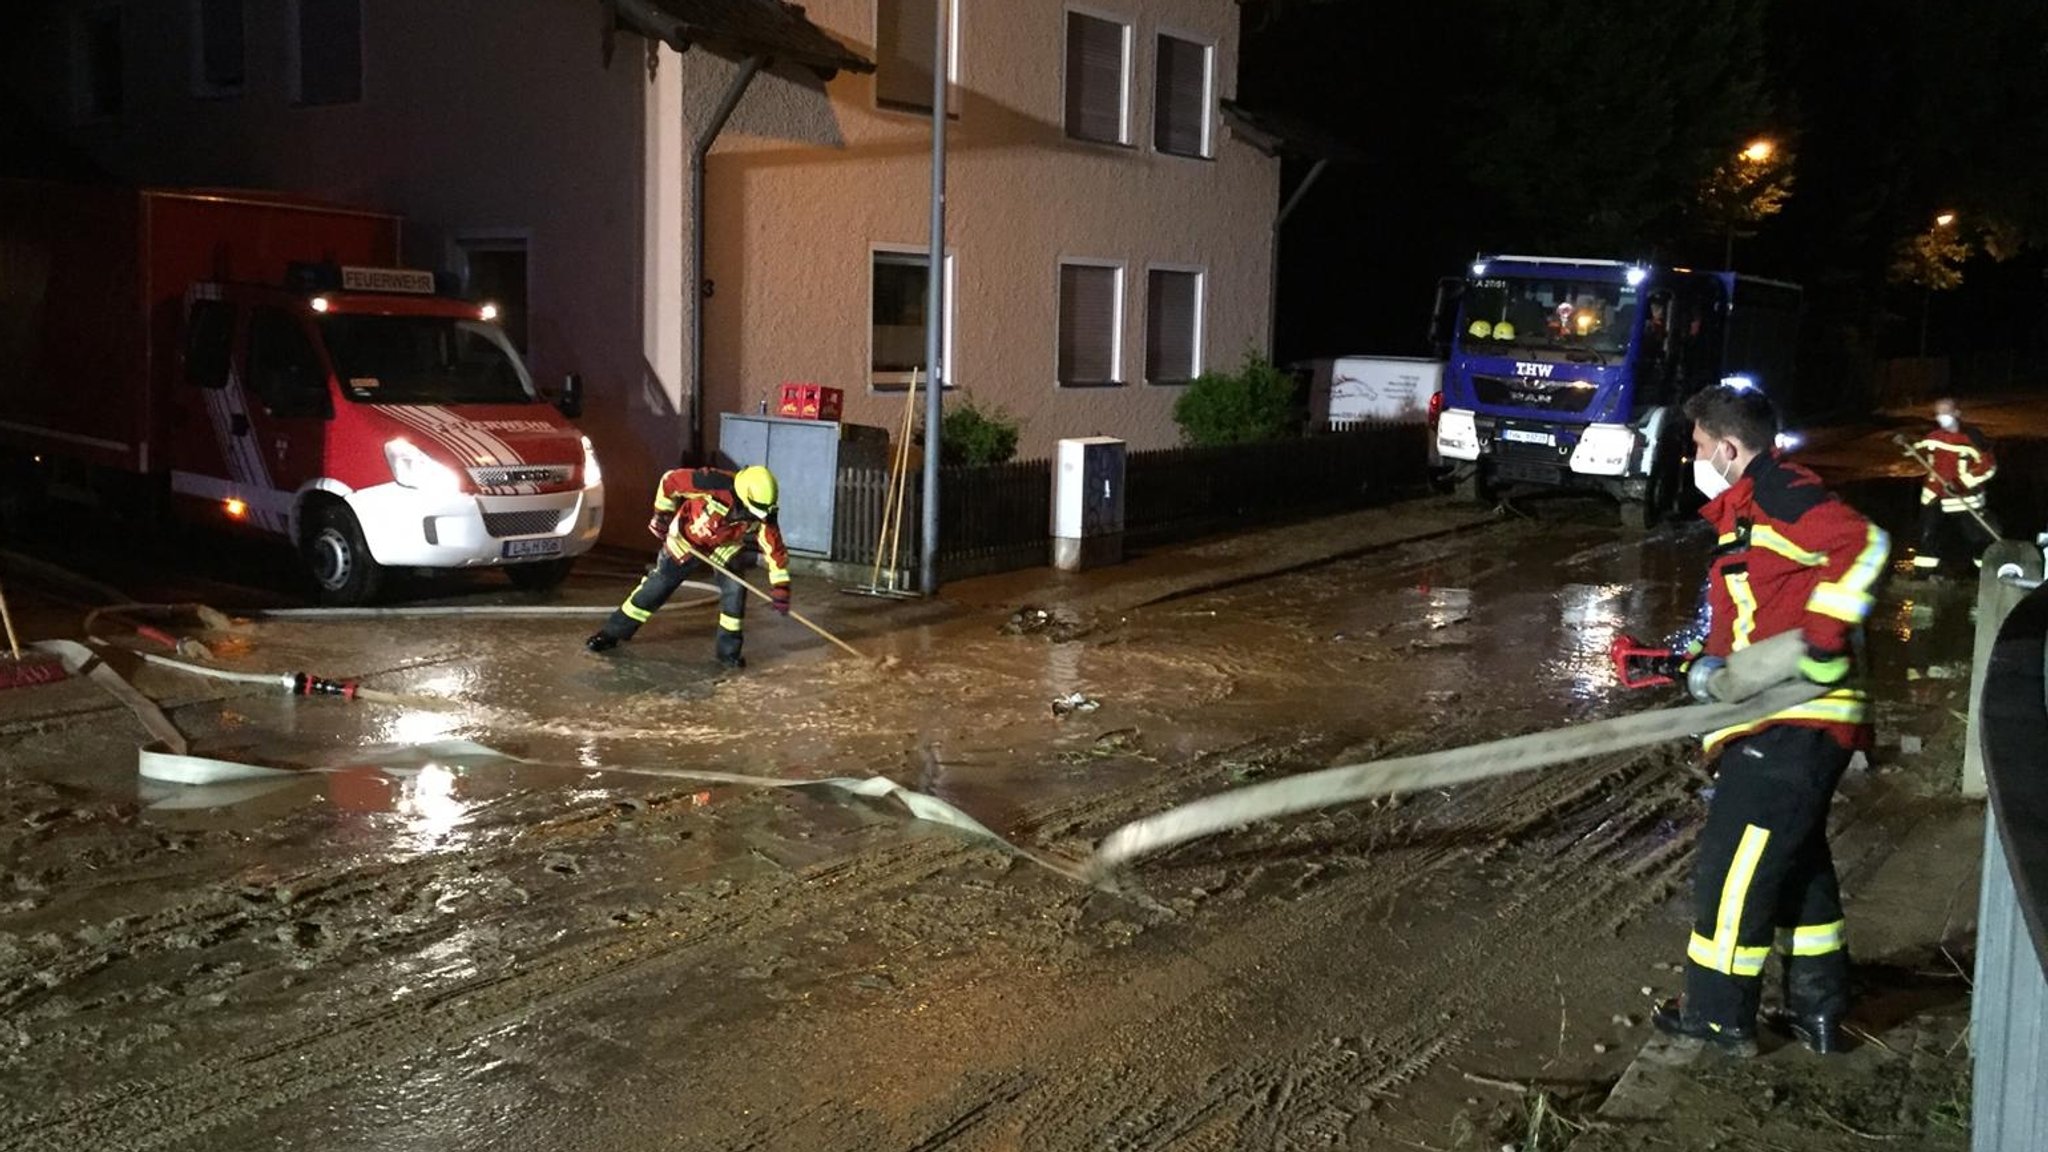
1952,500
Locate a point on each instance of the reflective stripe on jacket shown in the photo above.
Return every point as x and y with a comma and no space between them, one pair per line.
1791,555
708,514
1963,460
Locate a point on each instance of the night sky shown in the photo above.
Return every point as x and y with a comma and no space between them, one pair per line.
1580,128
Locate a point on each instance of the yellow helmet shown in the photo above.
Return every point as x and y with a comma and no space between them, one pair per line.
1503,331
1480,329
755,486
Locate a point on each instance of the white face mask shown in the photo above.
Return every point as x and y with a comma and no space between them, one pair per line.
1947,421
1707,477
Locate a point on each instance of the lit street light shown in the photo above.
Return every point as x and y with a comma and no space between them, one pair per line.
1758,151
1941,220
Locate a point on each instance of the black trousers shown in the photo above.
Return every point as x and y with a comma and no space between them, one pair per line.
1764,879
657,586
1945,534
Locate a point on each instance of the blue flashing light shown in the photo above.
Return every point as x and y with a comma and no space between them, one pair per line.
1479,268
1636,275
1740,382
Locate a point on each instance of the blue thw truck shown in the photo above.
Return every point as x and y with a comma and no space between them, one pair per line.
1569,373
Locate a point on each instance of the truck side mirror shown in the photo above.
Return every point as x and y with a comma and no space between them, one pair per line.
1443,317
570,402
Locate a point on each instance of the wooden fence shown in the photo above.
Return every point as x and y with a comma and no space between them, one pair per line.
999,518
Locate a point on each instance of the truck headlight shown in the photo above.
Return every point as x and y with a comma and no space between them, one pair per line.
412,468
592,474
1604,450
1457,435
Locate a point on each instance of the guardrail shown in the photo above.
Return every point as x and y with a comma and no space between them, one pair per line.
2009,727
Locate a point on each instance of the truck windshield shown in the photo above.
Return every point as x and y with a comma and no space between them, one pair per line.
424,360
1549,319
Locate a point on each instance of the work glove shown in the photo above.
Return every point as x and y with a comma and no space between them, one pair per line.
1829,668
778,599
659,524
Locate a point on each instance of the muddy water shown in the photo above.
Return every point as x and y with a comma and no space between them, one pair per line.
547,954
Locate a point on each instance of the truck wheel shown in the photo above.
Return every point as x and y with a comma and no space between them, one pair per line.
1662,490
540,575
343,571
1473,488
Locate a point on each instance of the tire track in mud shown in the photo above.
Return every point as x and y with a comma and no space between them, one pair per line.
214,1091
1572,823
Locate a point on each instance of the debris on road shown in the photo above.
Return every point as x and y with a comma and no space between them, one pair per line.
1074,702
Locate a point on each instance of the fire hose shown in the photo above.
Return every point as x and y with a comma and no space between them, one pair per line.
1752,684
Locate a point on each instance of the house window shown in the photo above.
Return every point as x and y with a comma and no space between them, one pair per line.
904,36
217,47
1180,102
1091,325
1098,79
101,81
496,274
900,283
1173,325
328,51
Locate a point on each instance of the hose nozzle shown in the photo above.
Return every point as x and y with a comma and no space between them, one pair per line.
306,684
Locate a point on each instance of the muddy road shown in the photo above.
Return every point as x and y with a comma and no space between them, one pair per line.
544,953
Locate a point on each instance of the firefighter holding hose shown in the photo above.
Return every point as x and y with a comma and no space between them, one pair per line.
1789,556
700,514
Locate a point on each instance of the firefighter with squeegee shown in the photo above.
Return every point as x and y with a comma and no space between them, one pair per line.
706,518
1959,463
1789,555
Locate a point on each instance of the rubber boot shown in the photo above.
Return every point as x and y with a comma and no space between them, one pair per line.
729,644
1814,1003
1671,1019
601,642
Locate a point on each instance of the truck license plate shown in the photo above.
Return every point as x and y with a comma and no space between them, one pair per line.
1523,437
520,549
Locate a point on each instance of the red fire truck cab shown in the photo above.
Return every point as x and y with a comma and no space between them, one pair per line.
262,361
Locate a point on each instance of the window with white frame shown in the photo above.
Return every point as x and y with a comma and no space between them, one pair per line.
217,68
900,286
99,72
905,36
327,54
1091,324
1098,79
1184,75
1173,325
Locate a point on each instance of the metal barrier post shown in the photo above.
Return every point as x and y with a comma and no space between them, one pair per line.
1997,593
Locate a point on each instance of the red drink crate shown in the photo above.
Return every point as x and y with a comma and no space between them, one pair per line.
809,402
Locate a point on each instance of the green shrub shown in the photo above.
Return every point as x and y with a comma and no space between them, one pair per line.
1254,403
974,436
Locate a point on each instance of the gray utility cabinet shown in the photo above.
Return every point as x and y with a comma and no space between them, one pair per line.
806,456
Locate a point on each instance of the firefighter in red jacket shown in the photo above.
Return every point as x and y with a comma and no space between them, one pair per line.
1953,497
1789,555
721,515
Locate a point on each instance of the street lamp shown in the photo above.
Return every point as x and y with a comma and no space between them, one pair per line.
1757,151
1941,220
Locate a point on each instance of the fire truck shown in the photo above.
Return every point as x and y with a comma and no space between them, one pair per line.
262,363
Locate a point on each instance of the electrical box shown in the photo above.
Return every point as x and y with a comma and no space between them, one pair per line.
806,457
1088,503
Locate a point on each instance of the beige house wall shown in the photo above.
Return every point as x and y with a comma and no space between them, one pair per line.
500,118
809,178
